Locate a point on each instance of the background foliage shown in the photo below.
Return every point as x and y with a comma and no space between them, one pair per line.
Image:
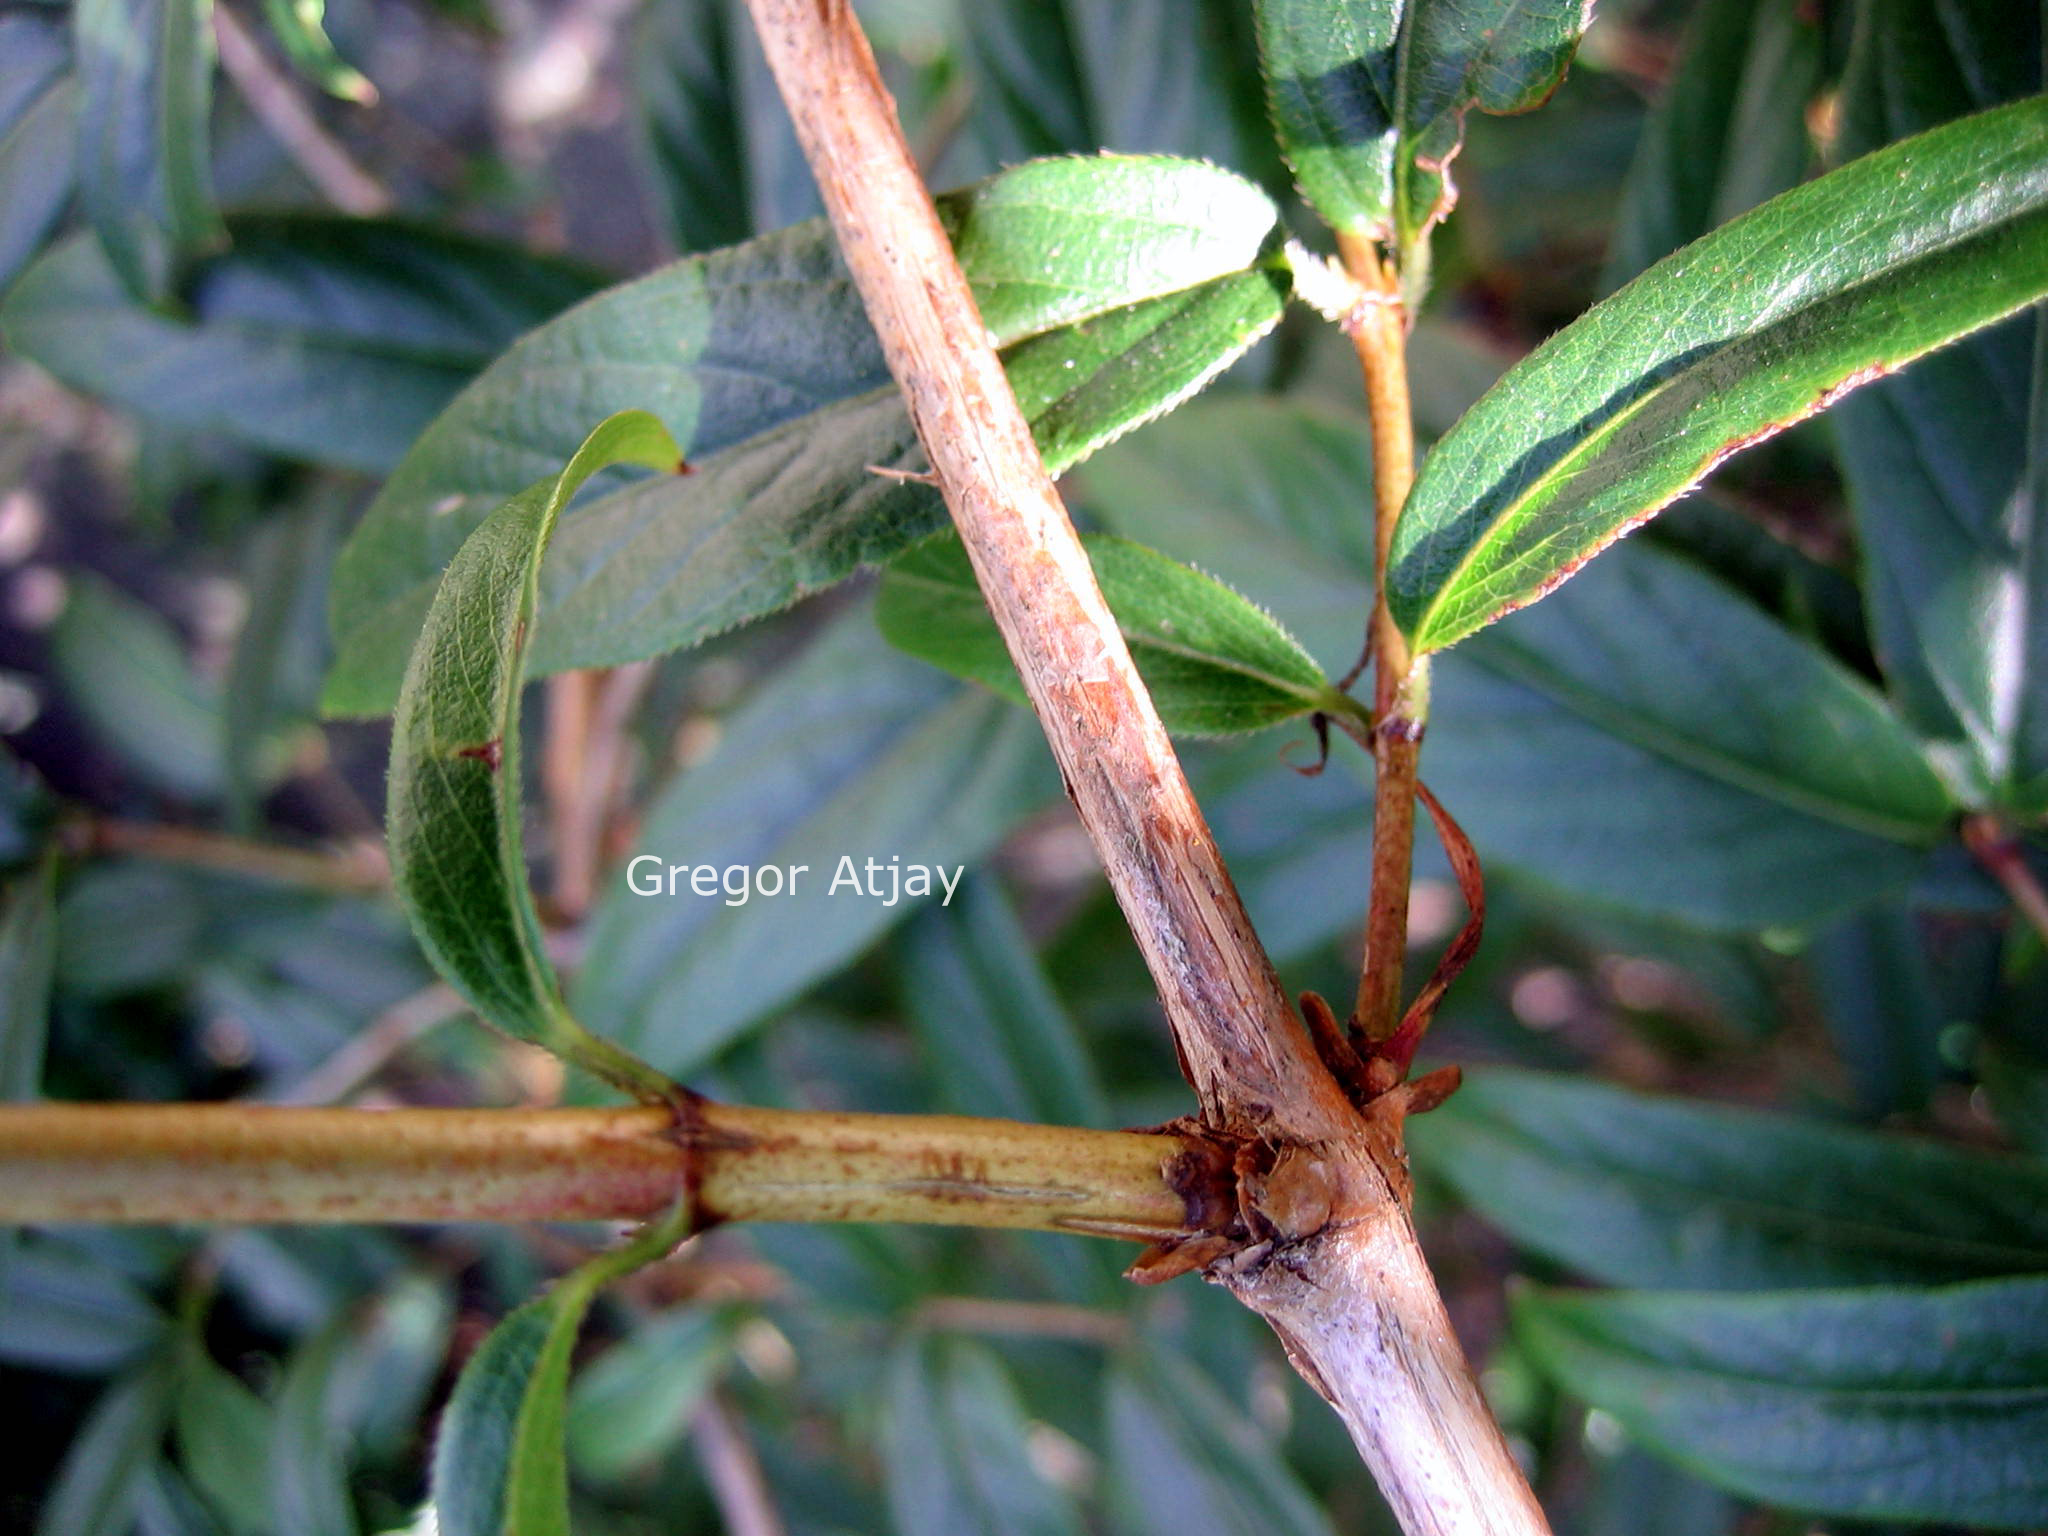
1717,778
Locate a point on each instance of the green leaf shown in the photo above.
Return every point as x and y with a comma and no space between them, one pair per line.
1781,792
1875,1404
145,72
761,361
64,1310
124,669
499,1464
223,1434
300,27
1945,465
1370,97
953,1447
636,1399
38,106
96,1487
1635,1190
28,960
1184,1462
1763,322
1216,664
853,753
1870,975
309,1451
457,856
1728,132
996,1036
316,337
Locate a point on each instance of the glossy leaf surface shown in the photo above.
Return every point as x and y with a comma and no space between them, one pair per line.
1370,96
760,360
1763,322
1215,663
1636,1190
457,850
1876,1404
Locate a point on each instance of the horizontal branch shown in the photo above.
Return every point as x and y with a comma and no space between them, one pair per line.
234,1163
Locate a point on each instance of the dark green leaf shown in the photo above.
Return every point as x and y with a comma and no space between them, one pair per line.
996,1037
1870,974
853,753
28,959
1728,132
38,105
636,1399
1875,1404
1763,322
1184,1462
1370,98
1780,792
96,1487
1645,1191
500,1468
953,1448
145,72
1215,663
1945,466
762,363
457,853
317,337
125,670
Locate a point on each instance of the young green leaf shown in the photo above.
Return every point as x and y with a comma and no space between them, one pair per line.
1763,322
500,1468
1871,1404
1635,1190
1216,663
854,754
300,27
783,404
145,71
1370,96
457,855
316,337
953,1447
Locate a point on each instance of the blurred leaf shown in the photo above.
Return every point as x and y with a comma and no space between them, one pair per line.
1877,1404
96,1488
1947,467
995,1035
953,1442
28,960
499,1463
1183,1462
636,1399
382,1380
1849,276
458,859
1370,98
1781,791
782,407
124,928
124,669
224,1439
1634,1492
854,752
315,336
1870,975
300,27
68,1310
273,682
145,73
1633,1190
309,1453
38,129
1215,663
1728,132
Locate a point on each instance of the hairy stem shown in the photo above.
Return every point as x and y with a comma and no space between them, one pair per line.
1379,330
256,1163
